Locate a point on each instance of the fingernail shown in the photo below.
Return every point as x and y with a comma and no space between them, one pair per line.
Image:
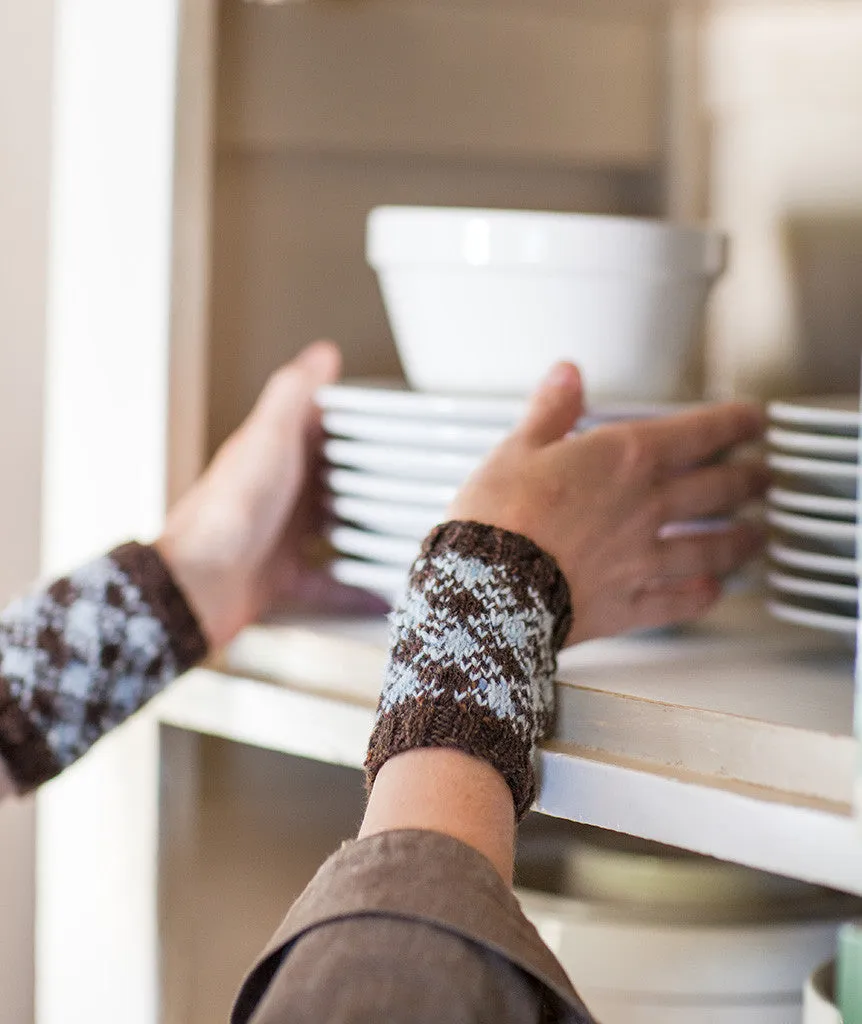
561,375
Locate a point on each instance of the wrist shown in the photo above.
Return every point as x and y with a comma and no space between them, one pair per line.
208,583
450,792
473,653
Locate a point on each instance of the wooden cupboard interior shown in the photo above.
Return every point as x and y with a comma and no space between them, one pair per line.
218,216
320,112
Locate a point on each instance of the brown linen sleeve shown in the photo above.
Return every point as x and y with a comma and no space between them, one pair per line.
407,926
80,655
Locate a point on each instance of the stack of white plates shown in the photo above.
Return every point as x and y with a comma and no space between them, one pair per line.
396,459
813,512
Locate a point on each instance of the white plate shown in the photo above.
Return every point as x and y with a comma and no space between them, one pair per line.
413,521
841,592
424,433
386,488
839,537
814,504
829,414
392,398
410,463
828,445
384,580
810,561
832,478
845,624
378,547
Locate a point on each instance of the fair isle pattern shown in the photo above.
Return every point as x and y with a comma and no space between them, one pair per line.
473,652
504,653
80,656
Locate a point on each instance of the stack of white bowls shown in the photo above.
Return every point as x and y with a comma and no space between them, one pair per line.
482,303
813,510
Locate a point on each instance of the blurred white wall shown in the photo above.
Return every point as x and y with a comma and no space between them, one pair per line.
26,41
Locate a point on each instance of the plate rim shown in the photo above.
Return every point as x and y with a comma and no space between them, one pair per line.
805,410
405,402
811,526
479,437
809,587
838,565
380,540
843,624
455,467
398,482
813,467
785,440
829,505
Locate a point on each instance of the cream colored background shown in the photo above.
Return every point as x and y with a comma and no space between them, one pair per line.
25,100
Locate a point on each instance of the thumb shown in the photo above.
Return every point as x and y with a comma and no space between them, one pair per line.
554,407
290,391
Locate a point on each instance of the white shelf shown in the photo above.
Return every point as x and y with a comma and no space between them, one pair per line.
732,739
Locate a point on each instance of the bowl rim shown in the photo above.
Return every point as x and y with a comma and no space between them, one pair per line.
482,238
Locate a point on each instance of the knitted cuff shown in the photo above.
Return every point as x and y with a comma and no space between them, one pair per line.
81,655
472,653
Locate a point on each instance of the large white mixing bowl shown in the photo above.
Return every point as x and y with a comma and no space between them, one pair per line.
486,300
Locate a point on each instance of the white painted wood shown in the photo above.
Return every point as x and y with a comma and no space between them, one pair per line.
748,827
192,257
26,54
746,824
270,717
741,697
105,476
425,79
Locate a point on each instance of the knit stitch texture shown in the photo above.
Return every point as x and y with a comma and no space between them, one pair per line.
81,655
472,653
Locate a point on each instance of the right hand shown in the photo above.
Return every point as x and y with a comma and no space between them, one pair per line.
597,502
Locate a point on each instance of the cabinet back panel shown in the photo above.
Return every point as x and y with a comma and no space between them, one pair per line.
380,77
289,263
324,111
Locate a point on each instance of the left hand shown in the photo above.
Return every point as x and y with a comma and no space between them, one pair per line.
238,544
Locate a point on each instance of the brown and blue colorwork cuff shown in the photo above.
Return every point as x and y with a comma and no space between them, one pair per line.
82,654
472,653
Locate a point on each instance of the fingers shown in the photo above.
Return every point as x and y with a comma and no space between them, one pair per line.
716,490
691,438
710,554
555,406
680,601
645,607
290,391
314,590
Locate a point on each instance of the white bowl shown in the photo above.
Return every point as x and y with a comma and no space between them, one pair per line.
818,1005
485,301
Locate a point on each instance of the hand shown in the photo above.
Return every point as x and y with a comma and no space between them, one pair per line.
238,542
597,502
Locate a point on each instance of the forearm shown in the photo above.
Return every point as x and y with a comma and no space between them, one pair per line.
468,689
78,656
446,791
